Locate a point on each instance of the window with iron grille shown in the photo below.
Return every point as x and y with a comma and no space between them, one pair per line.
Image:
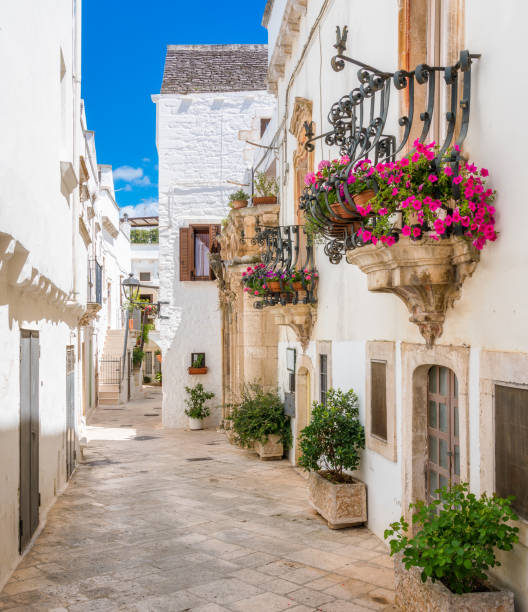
378,401
511,448
144,276
323,377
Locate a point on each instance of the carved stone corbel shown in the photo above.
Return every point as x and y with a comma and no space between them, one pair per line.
427,275
298,317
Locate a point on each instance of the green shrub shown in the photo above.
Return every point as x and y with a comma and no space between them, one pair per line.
239,195
258,415
265,185
331,443
158,377
198,362
147,379
457,537
137,356
196,408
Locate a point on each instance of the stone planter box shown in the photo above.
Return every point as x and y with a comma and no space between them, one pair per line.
342,505
272,450
413,595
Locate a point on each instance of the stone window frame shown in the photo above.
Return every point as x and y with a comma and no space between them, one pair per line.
510,370
384,351
416,359
323,347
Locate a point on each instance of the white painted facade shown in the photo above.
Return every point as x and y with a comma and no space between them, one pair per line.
201,161
488,324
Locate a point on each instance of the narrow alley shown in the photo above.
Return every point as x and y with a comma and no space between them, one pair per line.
158,519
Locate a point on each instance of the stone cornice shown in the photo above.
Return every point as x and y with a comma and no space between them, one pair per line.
287,36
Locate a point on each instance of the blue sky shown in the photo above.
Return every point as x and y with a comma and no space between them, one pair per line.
124,44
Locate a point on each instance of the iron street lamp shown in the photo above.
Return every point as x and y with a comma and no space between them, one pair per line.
131,287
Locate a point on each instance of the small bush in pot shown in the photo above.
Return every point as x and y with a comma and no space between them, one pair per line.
266,189
457,537
196,409
259,417
331,443
238,199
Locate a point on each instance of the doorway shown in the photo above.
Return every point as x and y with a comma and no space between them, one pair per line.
443,445
29,498
303,406
70,411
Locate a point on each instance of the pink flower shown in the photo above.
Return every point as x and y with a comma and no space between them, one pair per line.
457,180
308,277
468,192
439,226
351,179
456,147
395,191
432,178
323,164
456,215
243,273
383,211
448,220
448,171
406,230
415,157
472,206
246,289
310,179
367,235
404,162
390,240
417,232
345,160
484,172
465,221
471,168
264,287
491,210
256,292
417,205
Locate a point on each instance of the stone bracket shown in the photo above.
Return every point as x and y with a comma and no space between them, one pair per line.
298,317
427,275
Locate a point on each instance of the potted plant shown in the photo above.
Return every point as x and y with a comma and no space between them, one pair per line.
303,279
158,377
267,189
238,199
137,356
196,409
443,567
259,422
331,444
198,364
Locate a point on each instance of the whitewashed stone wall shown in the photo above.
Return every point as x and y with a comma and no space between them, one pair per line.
199,152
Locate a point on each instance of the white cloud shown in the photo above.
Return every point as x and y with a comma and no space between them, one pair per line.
146,160
146,208
134,176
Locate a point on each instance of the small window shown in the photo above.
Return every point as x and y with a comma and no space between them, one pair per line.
511,448
323,377
201,254
378,402
196,243
263,125
144,276
291,382
146,297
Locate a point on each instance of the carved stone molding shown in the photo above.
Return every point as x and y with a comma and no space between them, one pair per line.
89,314
298,317
426,275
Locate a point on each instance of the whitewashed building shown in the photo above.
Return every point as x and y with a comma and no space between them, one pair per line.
209,94
434,343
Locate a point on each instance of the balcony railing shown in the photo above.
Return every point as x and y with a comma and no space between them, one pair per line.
287,249
95,283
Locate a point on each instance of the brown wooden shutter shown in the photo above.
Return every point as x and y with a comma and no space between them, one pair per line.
185,253
214,232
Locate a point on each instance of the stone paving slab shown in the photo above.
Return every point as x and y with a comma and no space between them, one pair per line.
142,528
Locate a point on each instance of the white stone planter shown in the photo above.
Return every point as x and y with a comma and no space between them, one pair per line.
273,448
413,595
195,424
342,505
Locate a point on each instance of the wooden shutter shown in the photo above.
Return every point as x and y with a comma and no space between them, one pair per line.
186,245
214,232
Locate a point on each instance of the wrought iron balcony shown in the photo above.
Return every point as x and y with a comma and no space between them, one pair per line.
358,128
95,283
287,249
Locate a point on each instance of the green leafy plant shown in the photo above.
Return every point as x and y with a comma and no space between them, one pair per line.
147,379
457,537
198,361
137,356
265,185
144,236
238,195
158,377
258,415
196,408
147,327
331,443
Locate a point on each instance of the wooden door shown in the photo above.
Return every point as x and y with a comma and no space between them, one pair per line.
443,462
29,498
70,411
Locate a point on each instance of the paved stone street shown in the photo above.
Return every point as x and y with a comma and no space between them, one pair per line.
179,520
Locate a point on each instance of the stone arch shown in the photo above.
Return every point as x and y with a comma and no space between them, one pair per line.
416,362
304,396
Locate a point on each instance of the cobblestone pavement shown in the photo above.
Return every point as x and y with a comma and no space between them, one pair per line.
160,519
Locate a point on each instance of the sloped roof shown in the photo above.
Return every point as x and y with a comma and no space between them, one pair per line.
210,68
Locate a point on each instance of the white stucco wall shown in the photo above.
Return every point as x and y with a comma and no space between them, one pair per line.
199,152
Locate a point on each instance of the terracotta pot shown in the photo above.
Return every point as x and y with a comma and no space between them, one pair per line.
298,286
158,357
342,505
360,199
274,286
198,370
264,200
239,203
195,424
363,198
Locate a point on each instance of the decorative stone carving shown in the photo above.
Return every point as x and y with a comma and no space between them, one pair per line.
342,505
89,314
303,161
413,595
427,275
298,317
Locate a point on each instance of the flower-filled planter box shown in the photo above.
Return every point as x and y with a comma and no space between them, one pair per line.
341,504
195,371
413,595
272,449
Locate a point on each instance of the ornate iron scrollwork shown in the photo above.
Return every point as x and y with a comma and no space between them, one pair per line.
285,249
358,121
